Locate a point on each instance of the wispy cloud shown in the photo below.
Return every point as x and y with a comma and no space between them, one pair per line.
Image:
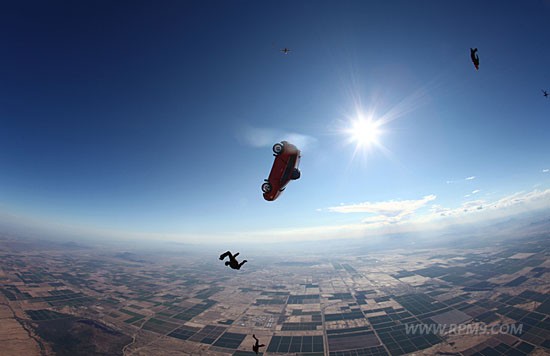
439,211
472,193
266,137
388,212
508,205
460,180
546,170
392,207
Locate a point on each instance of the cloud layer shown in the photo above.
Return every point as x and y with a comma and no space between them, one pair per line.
385,217
396,216
387,212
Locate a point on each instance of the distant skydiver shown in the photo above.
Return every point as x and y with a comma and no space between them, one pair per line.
545,93
474,57
256,347
233,263
286,50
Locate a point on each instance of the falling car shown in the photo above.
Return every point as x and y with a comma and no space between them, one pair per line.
285,169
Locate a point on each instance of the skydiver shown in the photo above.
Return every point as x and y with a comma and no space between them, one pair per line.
545,93
474,57
286,50
256,347
233,263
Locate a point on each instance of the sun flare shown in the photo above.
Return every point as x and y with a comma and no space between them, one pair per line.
365,132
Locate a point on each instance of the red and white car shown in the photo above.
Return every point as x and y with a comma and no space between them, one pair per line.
285,169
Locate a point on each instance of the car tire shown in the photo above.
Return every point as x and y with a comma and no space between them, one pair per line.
266,187
295,174
278,148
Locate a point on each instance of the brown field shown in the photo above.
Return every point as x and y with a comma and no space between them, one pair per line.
13,337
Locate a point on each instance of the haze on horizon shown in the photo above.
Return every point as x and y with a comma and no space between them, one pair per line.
155,121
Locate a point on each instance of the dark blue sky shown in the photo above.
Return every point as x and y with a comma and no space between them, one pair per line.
153,117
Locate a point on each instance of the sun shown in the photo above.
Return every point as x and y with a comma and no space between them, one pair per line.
365,132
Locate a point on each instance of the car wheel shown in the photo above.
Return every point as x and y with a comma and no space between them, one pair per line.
278,148
295,174
266,187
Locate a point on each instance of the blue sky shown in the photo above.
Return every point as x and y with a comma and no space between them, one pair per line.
157,119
